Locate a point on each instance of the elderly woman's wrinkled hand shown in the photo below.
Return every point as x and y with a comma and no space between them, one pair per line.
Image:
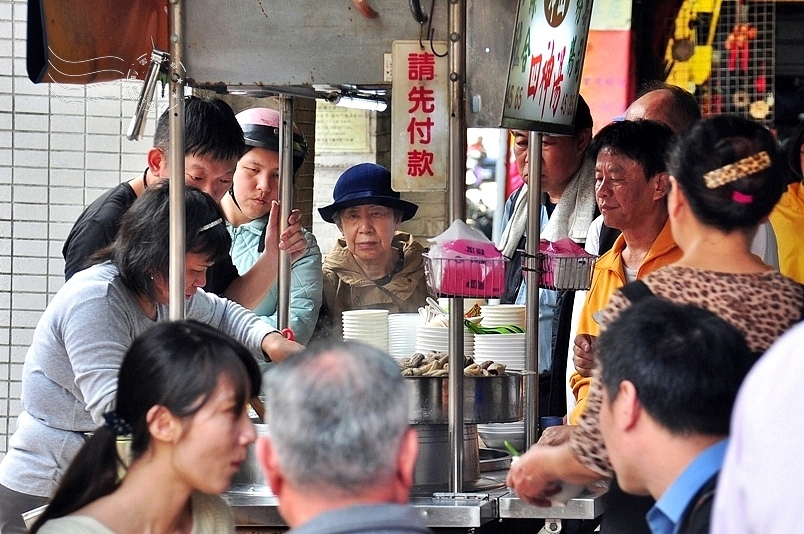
530,479
582,355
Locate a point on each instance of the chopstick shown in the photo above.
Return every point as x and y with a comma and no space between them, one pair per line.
258,406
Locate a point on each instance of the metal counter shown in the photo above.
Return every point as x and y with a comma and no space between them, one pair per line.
441,510
588,505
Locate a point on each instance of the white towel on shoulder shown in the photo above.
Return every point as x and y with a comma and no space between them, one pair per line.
571,217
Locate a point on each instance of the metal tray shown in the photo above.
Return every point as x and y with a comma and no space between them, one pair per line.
494,460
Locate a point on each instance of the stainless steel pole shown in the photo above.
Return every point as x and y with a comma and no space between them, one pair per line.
457,210
176,161
286,205
531,277
500,180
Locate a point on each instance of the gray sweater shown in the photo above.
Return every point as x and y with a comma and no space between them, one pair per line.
379,518
69,379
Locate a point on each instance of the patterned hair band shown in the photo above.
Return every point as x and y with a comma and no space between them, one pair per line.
116,424
739,169
207,226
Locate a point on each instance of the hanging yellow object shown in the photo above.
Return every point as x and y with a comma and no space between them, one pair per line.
689,52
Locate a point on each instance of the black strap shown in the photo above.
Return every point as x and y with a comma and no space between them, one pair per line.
802,303
561,340
261,246
607,238
696,516
636,291
396,300
513,274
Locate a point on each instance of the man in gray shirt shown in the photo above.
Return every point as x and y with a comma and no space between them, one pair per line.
340,453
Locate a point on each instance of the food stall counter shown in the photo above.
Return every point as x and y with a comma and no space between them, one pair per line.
259,508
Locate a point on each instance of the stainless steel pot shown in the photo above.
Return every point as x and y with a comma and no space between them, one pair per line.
250,478
486,399
431,473
434,462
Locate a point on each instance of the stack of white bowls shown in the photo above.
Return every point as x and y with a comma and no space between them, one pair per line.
436,338
368,326
503,315
402,329
494,435
508,349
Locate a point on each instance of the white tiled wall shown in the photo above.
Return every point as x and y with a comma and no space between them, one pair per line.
60,147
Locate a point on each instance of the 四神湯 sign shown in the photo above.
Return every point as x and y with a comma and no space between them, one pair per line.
547,56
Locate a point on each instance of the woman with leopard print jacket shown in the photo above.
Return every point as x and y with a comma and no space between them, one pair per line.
726,176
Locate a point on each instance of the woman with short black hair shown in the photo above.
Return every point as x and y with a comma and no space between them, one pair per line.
69,378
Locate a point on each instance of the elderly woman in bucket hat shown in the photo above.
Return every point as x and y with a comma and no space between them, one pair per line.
373,265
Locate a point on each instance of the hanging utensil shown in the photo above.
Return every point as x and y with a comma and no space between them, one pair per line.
258,407
437,307
137,126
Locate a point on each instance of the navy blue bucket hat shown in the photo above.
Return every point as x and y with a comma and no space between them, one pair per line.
366,183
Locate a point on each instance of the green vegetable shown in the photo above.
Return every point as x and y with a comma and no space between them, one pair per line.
509,329
511,448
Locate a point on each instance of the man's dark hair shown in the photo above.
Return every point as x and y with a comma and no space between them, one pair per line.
686,110
583,116
643,141
685,362
140,248
794,152
210,129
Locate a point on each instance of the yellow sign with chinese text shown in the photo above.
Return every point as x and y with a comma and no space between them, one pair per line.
419,116
339,129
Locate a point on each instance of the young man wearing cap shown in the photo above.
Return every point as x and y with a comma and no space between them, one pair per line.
255,188
213,142
373,265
